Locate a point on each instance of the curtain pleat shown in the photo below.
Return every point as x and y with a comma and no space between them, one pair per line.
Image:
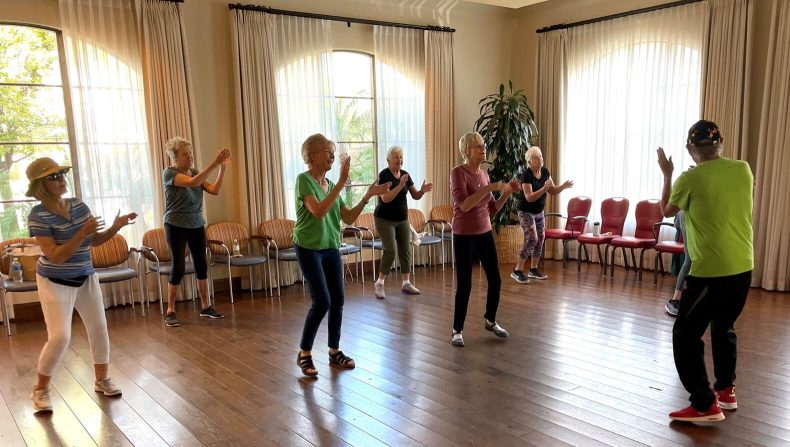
440,122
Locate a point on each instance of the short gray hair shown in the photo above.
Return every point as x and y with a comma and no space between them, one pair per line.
394,149
315,143
174,145
530,152
468,140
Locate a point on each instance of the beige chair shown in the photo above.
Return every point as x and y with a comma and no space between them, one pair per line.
278,232
220,238
113,262
7,285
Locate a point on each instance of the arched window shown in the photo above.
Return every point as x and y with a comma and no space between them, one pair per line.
35,117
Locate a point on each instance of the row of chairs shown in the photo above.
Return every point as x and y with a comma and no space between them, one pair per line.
614,211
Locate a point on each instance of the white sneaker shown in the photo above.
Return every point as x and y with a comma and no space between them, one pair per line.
409,289
457,340
41,400
107,387
498,330
378,290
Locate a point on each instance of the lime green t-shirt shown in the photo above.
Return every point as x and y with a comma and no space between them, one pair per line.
717,198
309,232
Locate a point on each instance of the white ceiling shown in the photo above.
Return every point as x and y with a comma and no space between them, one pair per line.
508,3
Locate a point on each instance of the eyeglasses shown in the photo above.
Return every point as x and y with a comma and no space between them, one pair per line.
481,146
56,177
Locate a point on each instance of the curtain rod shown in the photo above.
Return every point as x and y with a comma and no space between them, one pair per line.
615,16
348,20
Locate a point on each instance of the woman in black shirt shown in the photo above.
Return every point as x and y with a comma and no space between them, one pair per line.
535,183
392,220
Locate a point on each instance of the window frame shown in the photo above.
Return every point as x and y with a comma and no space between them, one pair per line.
372,98
66,89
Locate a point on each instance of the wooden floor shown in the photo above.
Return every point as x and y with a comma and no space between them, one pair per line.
589,363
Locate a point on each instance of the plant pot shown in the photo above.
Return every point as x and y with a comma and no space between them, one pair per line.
509,239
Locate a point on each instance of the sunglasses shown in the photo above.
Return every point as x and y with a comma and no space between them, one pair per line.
58,176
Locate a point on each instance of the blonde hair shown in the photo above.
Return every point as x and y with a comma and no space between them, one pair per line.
468,140
315,143
394,149
530,152
38,189
174,145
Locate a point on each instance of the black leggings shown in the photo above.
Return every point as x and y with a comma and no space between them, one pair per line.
469,249
177,240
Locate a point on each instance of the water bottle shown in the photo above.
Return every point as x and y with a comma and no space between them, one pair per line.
596,228
16,270
236,248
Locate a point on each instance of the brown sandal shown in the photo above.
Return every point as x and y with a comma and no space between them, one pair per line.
342,360
305,362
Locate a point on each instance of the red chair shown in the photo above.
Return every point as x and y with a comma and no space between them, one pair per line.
578,210
613,213
648,213
672,247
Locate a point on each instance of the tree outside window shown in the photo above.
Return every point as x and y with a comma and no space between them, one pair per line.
32,117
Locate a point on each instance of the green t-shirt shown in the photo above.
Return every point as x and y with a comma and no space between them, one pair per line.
309,232
717,198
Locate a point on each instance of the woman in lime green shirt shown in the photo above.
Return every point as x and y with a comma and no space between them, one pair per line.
316,236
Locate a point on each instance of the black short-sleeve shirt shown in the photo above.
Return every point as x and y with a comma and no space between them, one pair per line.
397,209
529,177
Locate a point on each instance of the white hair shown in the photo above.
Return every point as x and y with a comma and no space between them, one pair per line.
468,140
315,143
530,152
394,149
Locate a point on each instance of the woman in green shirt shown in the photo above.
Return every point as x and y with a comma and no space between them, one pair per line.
316,236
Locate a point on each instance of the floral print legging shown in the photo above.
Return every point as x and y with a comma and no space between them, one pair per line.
534,228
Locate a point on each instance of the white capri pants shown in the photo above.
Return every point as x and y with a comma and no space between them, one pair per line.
58,303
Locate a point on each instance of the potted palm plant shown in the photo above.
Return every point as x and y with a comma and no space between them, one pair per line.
507,125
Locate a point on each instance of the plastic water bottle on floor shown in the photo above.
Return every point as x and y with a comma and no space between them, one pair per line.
16,270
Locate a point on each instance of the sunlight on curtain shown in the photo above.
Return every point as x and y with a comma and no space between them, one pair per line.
105,74
400,100
303,79
633,84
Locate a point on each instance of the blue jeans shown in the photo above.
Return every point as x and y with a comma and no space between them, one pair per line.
323,271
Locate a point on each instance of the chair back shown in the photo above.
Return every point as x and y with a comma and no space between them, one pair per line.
648,212
5,261
366,220
614,210
281,230
155,239
417,219
443,212
226,232
112,252
578,207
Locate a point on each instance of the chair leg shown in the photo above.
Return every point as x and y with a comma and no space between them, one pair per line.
655,268
641,262
6,321
230,282
159,292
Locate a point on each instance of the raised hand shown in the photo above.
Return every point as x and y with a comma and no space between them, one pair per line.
514,185
426,187
666,165
567,184
345,166
403,179
377,190
122,221
90,226
223,155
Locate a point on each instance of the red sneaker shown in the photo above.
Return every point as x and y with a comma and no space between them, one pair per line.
726,398
689,414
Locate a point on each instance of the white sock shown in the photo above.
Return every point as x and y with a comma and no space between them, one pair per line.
405,282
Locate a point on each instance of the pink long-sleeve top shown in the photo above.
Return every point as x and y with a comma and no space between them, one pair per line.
477,220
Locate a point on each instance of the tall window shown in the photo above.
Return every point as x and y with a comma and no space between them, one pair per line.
633,84
355,121
33,120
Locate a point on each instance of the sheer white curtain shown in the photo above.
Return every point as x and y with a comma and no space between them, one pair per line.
633,84
303,79
400,100
104,64
440,131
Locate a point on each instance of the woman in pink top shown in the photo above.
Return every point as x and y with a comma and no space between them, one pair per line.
473,206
